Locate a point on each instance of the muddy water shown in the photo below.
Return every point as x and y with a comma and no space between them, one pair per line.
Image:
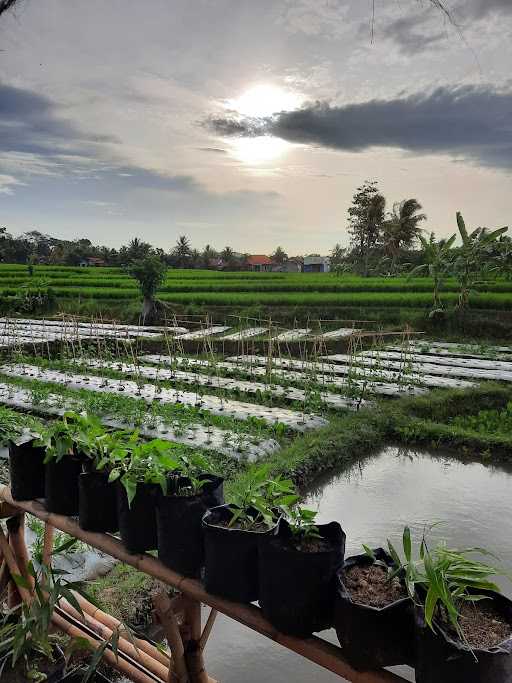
373,501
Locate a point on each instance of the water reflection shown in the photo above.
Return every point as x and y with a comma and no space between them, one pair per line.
375,498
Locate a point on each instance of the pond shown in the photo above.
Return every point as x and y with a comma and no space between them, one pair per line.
373,500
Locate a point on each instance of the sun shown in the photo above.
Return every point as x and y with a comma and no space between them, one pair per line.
263,100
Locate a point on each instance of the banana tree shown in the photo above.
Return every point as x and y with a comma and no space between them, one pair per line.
438,263
474,261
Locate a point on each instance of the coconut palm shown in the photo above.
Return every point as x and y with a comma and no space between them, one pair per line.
182,253
401,229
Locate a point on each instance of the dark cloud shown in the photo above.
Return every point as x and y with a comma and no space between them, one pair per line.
30,123
410,37
471,122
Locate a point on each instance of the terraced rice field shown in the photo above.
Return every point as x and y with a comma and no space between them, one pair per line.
243,289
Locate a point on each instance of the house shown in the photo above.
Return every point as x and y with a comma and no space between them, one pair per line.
317,264
92,261
258,263
291,265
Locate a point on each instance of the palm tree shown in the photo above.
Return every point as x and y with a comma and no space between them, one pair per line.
228,257
401,229
207,255
182,252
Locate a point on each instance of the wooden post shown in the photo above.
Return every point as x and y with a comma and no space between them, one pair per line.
12,564
16,532
178,672
193,652
48,544
207,629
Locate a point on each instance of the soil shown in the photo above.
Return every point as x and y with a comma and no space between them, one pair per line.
483,625
309,545
369,585
19,673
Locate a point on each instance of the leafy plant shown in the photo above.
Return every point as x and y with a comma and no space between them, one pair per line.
438,261
14,427
59,437
257,493
25,633
443,578
472,262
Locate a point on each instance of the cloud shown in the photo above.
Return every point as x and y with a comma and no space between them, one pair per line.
7,182
477,9
467,121
406,32
30,123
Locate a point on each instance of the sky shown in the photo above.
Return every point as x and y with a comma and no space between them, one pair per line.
251,123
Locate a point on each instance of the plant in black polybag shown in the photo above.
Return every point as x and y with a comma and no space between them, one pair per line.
234,532
297,569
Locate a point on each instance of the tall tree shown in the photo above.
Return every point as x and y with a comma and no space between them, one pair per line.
279,256
207,255
229,259
401,230
366,217
150,274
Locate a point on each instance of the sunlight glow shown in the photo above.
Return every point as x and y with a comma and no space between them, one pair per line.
259,150
264,100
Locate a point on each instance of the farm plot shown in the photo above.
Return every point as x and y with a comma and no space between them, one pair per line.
238,410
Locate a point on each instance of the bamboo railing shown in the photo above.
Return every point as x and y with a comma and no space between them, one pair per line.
180,617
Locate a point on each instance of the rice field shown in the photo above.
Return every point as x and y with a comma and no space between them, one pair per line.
245,289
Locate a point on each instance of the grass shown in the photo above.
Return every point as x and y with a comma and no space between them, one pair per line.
125,593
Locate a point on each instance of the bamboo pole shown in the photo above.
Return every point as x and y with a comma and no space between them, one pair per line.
178,672
193,652
16,533
105,633
16,593
207,629
114,624
49,533
315,649
121,665
125,667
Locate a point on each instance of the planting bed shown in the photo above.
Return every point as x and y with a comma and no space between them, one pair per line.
407,364
149,392
205,332
194,435
313,376
352,369
216,382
